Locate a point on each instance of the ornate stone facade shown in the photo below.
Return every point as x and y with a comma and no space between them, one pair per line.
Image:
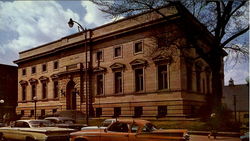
133,70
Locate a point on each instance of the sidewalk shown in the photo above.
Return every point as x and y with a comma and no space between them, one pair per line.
205,133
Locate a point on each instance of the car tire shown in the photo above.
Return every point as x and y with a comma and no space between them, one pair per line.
2,138
30,139
81,140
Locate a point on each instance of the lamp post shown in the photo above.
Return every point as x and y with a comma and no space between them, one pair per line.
35,100
84,30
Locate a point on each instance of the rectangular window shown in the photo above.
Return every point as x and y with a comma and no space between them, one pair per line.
33,91
162,77
23,71
22,112
98,112
198,81
208,83
118,82
138,47
138,80
23,93
42,112
33,70
117,111
44,90
32,113
138,111
44,67
56,89
162,111
54,111
99,56
99,79
189,76
117,51
56,65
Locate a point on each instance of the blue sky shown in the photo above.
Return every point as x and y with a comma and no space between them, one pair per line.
27,24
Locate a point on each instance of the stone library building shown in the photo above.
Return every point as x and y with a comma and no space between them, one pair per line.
141,66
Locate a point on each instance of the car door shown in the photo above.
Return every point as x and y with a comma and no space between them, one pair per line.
118,131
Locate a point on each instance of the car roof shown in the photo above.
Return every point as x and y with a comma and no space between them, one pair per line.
30,120
137,121
59,118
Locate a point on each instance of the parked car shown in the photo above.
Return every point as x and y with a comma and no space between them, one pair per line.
245,137
130,130
34,130
104,125
65,122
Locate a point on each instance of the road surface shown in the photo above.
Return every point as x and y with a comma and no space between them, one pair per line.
205,138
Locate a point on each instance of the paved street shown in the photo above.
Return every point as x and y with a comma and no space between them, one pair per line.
205,138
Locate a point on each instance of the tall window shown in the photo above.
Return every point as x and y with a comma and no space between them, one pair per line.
24,71
33,70
162,111
44,67
189,76
139,80
42,112
138,111
99,82
32,113
44,89
56,65
117,111
33,91
99,55
56,89
23,92
98,112
118,82
162,77
22,112
208,83
118,51
138,47
198,78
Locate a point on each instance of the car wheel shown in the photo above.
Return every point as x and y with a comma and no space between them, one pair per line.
30,139
81,140
2,138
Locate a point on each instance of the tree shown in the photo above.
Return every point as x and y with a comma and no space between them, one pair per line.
221,18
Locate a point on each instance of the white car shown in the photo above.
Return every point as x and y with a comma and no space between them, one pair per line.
104,125
34,130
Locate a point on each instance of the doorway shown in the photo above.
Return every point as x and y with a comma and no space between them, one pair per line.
70,96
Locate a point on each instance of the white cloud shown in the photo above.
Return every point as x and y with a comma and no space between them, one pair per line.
94,15
34,23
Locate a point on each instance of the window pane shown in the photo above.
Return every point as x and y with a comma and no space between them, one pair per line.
138,47
44,90
139,79
99,55
162,77
56,65
33,90
99,84
55,89
117,51
118,82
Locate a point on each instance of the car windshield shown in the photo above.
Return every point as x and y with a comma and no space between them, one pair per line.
106,123
149,127
40,123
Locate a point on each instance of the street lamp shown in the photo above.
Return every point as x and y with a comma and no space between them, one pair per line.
84,30
35,100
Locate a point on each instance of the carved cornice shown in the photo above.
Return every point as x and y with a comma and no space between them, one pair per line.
43,78
117,66
99,69
138,63
23,82
162,59
33,81
54,76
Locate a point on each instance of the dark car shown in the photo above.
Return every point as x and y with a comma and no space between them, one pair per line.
65,122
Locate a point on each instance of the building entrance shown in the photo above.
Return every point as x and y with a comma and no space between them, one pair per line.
70,96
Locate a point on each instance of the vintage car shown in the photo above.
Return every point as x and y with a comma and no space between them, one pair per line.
65,122
103,125
130,130
34,130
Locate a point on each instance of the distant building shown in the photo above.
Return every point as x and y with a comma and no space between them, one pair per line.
132,70
236,98
8,89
